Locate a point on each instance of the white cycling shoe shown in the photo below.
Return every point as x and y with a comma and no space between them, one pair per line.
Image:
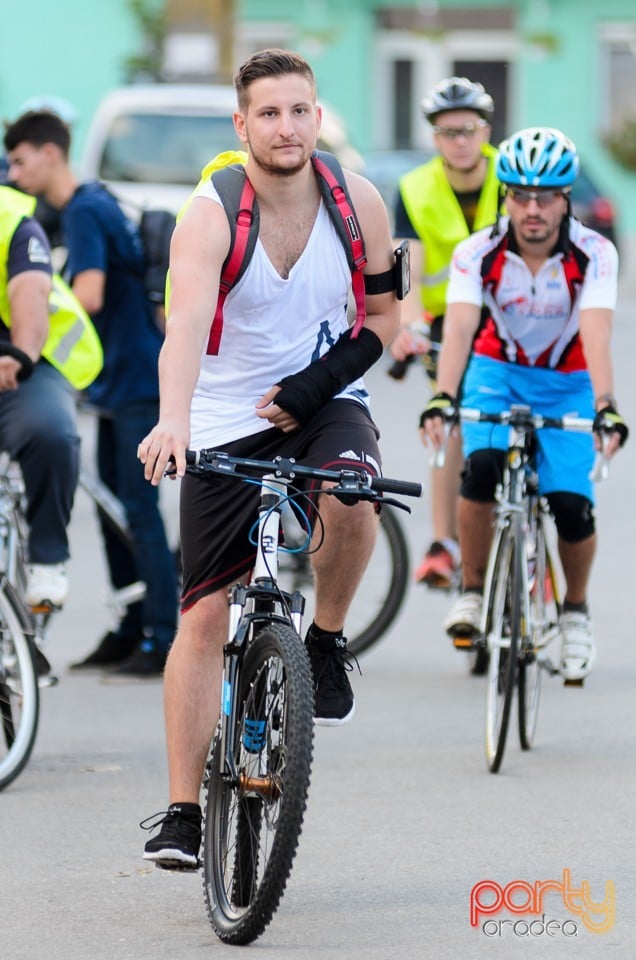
464,620
46,583
578,650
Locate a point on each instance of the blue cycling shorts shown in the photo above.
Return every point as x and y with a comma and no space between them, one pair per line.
564,458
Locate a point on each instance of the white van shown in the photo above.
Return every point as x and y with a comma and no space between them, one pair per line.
150,142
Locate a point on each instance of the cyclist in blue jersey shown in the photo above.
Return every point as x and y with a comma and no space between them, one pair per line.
530,305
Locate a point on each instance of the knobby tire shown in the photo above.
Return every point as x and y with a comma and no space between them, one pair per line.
250,841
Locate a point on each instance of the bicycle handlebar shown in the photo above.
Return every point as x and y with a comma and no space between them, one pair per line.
522,416
350,479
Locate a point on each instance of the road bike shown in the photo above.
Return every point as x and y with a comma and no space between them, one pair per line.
257,776
523,584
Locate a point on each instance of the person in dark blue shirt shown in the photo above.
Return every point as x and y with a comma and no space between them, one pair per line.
105,268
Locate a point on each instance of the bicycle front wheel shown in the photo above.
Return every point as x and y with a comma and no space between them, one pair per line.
19,693
502,635
381,593
253,819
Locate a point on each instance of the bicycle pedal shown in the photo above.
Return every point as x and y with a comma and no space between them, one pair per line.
463,643
173,866
574,683
45,607
49,680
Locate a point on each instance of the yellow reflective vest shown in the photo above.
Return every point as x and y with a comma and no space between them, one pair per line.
73,346
216,163
437,217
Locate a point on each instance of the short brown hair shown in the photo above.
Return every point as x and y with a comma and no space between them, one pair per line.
38,127
270,63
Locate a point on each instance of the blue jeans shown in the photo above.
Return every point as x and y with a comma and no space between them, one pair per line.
38,428
152,561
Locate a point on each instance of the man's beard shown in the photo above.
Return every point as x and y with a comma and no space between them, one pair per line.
275,170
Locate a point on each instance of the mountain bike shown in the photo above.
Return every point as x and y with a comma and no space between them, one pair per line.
522,591
257,776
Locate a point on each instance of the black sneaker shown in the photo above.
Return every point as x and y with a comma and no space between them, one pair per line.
334,703
145,661
112,649
176,846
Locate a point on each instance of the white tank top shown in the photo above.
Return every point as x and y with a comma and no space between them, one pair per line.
271,328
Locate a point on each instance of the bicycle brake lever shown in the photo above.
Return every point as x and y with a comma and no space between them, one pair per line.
388,501
600,470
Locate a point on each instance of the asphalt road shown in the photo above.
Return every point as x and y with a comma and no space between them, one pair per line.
403,818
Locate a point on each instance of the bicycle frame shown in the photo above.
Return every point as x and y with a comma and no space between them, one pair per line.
519,504
261,600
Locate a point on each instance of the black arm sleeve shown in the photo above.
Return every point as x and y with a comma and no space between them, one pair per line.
304,393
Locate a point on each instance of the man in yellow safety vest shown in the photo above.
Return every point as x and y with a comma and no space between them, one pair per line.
440,203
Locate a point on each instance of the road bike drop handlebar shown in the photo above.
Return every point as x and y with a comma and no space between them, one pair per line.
356,483
522,418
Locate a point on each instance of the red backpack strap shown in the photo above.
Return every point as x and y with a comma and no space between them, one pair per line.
242,236
346,223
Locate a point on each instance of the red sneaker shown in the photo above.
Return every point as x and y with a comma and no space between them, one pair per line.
438,569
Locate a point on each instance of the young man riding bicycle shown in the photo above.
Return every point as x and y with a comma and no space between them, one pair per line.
530,306
268,386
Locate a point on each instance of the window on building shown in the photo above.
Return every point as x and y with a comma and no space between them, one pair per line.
403,107
619,60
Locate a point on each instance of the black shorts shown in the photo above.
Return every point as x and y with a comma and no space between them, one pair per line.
217,513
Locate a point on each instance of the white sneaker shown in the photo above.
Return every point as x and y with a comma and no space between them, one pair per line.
46,583
464,620
578,650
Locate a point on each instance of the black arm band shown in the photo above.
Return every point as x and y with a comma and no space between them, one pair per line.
379,282
304,393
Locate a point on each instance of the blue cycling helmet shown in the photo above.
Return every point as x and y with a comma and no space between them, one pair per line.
538,157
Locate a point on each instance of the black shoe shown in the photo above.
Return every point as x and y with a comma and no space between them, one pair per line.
113,648
145,661
334,703
176,846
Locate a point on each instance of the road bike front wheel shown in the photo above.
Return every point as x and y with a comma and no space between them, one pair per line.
381,593
19,693
253,818
503,623
543,593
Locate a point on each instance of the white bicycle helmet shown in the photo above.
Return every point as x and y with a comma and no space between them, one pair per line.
538,157
457,93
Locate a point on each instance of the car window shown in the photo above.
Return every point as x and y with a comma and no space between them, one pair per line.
164,148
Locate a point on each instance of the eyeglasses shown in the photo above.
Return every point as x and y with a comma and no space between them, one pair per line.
544,198
453,133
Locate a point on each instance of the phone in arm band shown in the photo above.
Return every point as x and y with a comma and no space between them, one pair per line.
402,270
